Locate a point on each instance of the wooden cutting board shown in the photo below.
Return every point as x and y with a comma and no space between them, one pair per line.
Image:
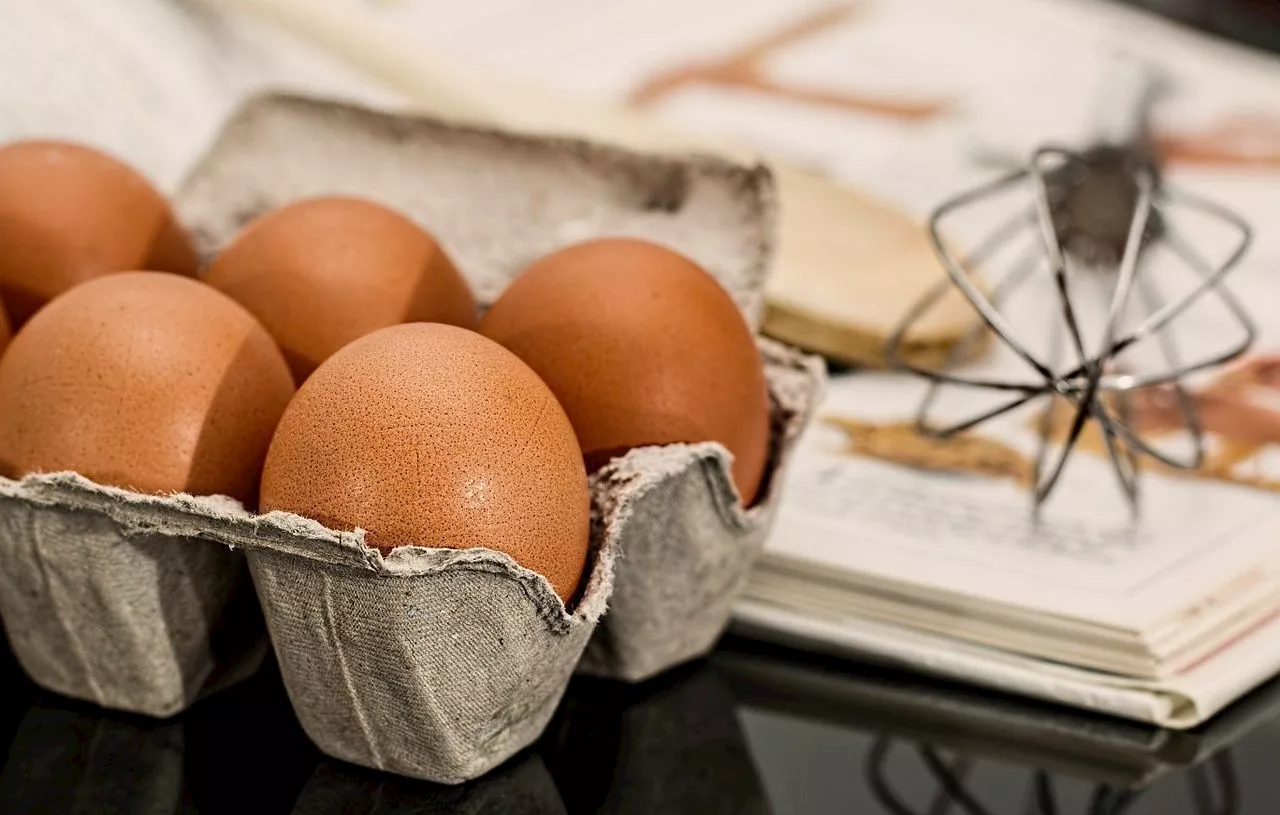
848,267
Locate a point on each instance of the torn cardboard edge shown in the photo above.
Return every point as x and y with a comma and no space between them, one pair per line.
390,662
794,379
343,616
675,585
224,520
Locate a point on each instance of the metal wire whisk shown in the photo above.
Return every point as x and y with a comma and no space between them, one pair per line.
1100,212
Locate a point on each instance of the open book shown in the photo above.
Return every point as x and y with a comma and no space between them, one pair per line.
1167,619
927,555
921,555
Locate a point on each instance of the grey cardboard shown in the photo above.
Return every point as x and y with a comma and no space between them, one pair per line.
145,622
688,545
496,201
432,663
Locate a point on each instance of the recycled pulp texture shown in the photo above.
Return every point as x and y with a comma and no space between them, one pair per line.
495,201
431,663
109,607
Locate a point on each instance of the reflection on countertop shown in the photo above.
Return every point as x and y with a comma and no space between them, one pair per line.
829,736
753,729
674,744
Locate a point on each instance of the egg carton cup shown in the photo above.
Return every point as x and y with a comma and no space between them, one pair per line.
497,202
431,663
687,545
105,606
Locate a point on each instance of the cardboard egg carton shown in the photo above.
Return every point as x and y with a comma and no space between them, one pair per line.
429,662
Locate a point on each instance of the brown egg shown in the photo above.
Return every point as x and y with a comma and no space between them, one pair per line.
325,271
147,381
68,214
642,347
5,332
431,435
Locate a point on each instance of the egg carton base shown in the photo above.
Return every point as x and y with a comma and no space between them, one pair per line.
146,623
431,663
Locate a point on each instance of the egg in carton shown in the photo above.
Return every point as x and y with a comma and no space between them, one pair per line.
429,662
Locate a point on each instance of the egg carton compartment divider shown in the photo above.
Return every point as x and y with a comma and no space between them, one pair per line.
431,663
689,545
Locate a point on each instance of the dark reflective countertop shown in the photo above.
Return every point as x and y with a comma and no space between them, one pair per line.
753,729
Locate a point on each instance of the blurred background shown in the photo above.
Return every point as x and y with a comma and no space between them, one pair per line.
901,103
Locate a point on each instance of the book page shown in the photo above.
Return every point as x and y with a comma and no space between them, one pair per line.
857,500
909,101
1178,702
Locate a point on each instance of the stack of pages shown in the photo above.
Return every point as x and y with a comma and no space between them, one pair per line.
1167,620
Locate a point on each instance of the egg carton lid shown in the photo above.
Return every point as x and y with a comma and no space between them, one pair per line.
495,200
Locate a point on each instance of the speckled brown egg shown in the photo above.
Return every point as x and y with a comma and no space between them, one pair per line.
431,435
143,380
68,214
325,271
641,347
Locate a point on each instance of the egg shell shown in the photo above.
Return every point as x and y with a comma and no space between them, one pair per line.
641,347
143,380
6,333
325,271
69,213
431,435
